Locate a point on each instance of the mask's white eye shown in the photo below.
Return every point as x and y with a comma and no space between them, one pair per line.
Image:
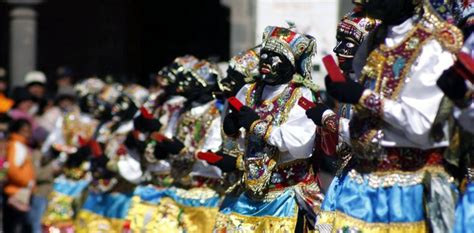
264,56
124,105
350,45
276,60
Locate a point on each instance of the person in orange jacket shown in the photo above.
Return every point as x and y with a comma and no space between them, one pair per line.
5,102
20,178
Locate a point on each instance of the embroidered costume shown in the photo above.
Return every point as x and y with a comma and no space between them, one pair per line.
398,183
280,186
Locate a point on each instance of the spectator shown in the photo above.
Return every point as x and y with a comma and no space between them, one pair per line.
5,102
65,102
4,120
20,179
66,99
24,107
65,78
35,83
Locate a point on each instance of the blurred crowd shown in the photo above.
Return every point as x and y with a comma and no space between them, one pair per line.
28,114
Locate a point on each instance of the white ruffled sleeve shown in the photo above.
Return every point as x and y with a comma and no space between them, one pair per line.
415,111
213,140
297,134
294,138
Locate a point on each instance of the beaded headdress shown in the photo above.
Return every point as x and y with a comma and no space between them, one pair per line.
246,63
298,48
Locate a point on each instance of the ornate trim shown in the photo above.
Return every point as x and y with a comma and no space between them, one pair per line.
470,175
449,36
372,102
397,177
259,128
331,122
338,221
235,222
387,69
260,163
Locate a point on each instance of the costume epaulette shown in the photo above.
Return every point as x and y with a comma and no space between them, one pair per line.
448,35
308,83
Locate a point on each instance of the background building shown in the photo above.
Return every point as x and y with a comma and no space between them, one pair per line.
130,39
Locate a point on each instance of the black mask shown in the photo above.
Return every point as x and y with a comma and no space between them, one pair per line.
391,12
232,83
87,103
345,46
101,110
167,80
345,50
275,68
188,86
124,108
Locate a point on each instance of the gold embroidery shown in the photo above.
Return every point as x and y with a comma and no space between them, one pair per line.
59,211
240,223
397,177
338,221
161,217
88,222
258,185
196,193
199,219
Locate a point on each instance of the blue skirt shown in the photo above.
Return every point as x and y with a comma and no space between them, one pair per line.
244,214
465,211
385,202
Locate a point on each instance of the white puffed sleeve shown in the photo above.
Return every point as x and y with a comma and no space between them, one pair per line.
213,140
410,118
297,134
294,138
241,95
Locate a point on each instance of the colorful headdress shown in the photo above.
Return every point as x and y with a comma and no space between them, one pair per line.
110,92
357,25
206,73
183,64
298,48
136,93
247,63
165,77
89,86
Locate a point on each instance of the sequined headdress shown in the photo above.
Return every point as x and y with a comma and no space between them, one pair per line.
183,64
357,25
110,93
247,63
89,86
206,73
136,93
298,48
